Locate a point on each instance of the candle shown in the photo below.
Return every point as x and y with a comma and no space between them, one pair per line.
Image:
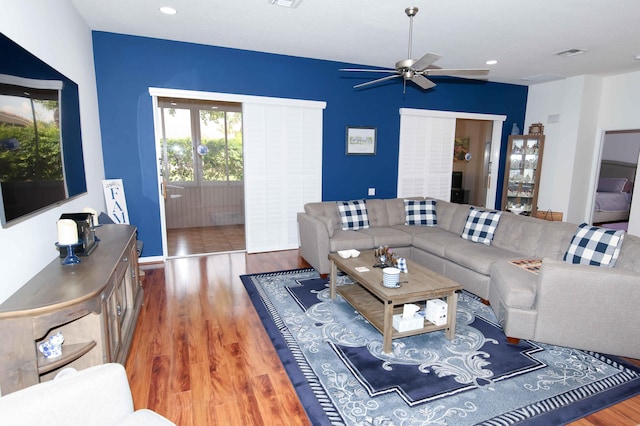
94,215
67,232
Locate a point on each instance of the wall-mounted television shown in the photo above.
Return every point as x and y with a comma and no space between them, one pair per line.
41,159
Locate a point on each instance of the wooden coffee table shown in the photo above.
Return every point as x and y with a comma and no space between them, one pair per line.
378,304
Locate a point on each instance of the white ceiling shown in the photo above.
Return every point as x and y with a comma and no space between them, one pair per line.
523,36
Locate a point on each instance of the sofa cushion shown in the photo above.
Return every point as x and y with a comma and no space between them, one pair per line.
516,286
481,225
630,254
413,229
592,245
434,240
420,212
388,236
347,240
326,209
395,211
446,211
554,240
353,215
377,212
519,234
476,257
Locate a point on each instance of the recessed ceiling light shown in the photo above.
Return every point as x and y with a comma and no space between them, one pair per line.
168,10
491,62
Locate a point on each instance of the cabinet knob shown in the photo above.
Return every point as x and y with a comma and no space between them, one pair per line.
125,259
119,310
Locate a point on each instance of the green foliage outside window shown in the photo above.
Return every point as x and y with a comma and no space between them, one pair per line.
223,160
214,163
33,159
180,155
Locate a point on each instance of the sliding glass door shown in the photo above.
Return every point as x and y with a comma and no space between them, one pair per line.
203,175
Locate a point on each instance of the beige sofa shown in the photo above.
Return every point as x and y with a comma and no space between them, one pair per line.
96,396
581,306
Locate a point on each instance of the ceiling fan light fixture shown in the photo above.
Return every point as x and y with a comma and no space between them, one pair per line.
416,71
285,3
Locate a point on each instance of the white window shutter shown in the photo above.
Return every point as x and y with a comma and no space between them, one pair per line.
283,171
425,159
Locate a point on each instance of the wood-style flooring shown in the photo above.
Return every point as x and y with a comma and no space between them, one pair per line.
200,355
202,240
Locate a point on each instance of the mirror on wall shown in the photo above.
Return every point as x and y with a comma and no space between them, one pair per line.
41,159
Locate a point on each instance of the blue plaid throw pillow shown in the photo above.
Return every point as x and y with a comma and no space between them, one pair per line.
420,212
353,215
595,246
480,225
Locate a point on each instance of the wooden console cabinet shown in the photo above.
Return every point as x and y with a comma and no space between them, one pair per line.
95,304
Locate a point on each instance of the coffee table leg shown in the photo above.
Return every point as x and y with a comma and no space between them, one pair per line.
332,280
452,306
388,323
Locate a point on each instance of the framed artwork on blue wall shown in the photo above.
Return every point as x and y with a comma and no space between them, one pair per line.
361,140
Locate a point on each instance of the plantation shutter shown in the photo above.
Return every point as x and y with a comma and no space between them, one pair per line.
283,170
425,159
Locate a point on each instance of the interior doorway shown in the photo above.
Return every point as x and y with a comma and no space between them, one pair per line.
202,167
614,185
471,161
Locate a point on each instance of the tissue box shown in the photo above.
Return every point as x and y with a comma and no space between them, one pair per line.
407,324
436,311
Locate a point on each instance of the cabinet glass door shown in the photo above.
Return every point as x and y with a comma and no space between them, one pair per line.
522,179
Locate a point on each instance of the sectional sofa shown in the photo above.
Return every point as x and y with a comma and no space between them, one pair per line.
576,305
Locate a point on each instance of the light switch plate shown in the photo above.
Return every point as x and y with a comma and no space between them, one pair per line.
372,191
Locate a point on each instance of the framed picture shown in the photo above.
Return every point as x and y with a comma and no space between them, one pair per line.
461,150
361,141
536,129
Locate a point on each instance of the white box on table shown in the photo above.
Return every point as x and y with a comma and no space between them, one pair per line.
436,311
407,324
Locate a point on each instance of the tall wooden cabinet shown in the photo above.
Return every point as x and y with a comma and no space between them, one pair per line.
522,174
95,304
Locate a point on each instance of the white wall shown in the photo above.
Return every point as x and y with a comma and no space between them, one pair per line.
54,32
621,146
586,107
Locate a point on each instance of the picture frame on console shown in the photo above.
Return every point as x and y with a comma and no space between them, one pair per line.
361,140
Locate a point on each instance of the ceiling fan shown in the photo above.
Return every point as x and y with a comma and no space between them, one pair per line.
415,71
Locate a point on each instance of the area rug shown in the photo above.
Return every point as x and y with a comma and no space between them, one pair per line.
335,361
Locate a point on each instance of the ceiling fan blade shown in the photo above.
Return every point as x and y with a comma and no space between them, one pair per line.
379,80
366,70
425,61
423,82
455,72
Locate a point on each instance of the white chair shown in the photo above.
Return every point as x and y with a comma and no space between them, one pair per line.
95,396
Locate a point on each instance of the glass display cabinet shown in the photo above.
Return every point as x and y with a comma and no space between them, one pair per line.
522,174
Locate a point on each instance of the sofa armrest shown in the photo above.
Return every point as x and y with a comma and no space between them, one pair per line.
588,307
98,395
95,396
314,241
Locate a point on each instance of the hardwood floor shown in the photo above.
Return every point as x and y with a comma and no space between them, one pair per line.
200,355
202,240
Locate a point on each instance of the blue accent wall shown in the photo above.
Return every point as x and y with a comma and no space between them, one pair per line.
126,66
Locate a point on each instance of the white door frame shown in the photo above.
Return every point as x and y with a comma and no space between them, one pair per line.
157,92
496,138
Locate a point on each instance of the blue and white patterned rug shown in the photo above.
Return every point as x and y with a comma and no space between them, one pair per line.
335,361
